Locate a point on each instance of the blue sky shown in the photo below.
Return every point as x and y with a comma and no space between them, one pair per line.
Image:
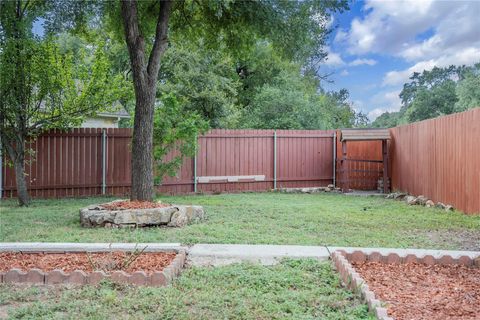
377,45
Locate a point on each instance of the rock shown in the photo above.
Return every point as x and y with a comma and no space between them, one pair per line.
331,186
400,196
306,190
411,200
174,216
327,189
422,200
429,204
448,208
185,215
144,217
390,195
440,205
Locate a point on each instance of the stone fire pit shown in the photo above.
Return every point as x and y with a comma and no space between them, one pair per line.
169,216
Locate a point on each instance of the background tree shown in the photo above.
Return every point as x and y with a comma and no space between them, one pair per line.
175,132
434,93
41,88
236,24
468,89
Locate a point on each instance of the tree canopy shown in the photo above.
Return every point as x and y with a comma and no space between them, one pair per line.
434,93
191,64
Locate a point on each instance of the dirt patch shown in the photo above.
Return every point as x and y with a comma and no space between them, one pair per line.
418,291
461,239
68,262
127,205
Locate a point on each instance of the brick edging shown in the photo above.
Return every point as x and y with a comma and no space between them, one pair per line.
80,277
354,282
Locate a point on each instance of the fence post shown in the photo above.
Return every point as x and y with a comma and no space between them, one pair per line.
274,159
334,158
195,166
104,161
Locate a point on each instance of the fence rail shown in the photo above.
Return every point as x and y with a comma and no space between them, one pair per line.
87,162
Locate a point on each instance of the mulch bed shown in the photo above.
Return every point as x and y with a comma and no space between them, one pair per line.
127,204
68,262
419,291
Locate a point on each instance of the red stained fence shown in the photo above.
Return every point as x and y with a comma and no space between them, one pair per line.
362,175
439,158
71,163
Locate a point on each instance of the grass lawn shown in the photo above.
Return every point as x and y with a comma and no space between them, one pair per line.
294,289
260,218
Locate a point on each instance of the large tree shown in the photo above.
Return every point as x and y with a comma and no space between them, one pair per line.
297,28
41,87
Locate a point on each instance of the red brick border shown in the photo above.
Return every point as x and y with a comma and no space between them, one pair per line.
79,277
352,280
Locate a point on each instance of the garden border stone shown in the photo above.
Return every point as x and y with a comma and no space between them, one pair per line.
352,280
171,216
80,277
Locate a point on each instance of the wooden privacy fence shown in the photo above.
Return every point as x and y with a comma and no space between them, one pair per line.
86,162
439,158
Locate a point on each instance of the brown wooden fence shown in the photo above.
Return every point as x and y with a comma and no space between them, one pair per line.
71,163
362,175
439,158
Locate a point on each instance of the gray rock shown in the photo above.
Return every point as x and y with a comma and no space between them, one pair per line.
327,189
448,208
185,215
144,217
400,196
429,204
331,186
411,200
422,200
174,216
440,205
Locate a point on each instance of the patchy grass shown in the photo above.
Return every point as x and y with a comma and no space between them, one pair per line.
294,289
260,218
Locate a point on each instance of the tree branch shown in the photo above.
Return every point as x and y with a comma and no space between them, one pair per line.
135,41
161,40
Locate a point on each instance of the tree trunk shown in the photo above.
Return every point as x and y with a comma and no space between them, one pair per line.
145,83
17,156
22,192
142,144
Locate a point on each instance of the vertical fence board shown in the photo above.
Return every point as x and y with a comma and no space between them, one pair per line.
440,158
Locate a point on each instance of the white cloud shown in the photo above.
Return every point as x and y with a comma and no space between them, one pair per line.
333,59
386,101
424,33
359,62
375,113
467,56
344,73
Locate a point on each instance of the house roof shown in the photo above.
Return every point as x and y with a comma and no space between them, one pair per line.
364,134
120,113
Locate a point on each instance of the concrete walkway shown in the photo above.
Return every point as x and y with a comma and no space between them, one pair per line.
223,254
